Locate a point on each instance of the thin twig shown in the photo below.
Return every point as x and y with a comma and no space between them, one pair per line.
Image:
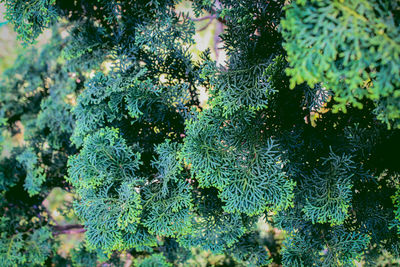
70,232
217,39
205,26
68,229
210,17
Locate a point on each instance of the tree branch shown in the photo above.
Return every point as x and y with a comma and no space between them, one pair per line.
68,229
211,17
205,26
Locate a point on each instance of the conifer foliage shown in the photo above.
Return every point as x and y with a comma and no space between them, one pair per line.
109,111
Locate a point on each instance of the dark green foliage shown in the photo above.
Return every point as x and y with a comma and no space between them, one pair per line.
2,124
155,260
139,107
104,176
18,250
329,191
213,229
36,82
341,248
227,155
80,257
30,18
249,252
112,108
34,175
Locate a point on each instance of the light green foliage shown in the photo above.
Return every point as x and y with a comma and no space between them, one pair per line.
352,47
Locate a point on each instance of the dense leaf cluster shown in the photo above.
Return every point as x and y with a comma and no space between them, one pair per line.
352,47
34,103
111,107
